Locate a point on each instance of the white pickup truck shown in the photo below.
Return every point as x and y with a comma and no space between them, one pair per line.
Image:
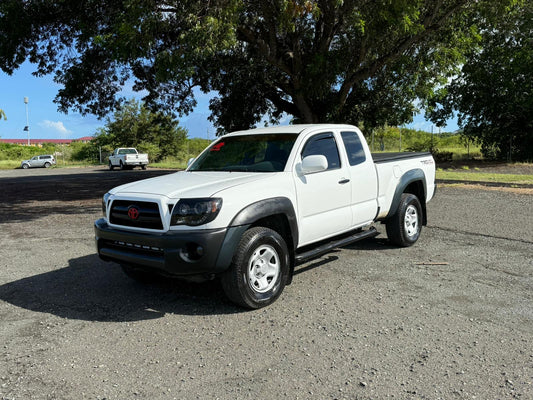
127,157
256,203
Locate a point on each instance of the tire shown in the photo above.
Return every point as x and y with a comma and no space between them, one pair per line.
47,165
259,270
25,166
139,275
143,167
121,166
111,167
404,227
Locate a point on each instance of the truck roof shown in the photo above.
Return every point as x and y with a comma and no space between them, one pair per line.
295,129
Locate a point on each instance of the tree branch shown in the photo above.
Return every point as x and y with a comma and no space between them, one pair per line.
430,26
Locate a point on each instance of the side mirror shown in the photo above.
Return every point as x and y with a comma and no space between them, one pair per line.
191,160
315,163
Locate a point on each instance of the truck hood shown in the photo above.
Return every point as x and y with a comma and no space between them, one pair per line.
185,184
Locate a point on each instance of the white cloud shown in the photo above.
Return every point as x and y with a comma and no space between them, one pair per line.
57,126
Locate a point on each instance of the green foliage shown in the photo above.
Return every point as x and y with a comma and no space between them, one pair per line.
10,151
319,61
194,147
134,125
78,151
443,145
494,92
3,115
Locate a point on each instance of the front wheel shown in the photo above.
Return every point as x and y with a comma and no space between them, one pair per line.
25,166
259,270
404,227
111,166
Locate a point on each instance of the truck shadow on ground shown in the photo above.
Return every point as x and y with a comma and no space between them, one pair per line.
92,290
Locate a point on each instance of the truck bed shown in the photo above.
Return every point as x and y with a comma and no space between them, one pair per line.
388,157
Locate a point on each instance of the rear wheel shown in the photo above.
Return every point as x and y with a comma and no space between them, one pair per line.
121,166
47,165
404,227
259,270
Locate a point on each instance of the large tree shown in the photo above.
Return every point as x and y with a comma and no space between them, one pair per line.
133,125
493,94
324,60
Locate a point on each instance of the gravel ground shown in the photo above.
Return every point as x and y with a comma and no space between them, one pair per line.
449,318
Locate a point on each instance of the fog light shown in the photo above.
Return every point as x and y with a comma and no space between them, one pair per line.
200,251
192,252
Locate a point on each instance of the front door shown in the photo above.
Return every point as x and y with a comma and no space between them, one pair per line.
323,197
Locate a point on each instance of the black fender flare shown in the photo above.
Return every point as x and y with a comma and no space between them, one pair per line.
412,176
251,214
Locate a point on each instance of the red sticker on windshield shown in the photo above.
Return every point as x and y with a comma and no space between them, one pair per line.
217,146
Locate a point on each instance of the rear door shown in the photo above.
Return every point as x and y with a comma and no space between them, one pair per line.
364,182
323,197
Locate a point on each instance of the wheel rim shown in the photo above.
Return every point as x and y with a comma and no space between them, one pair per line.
263,269
411,221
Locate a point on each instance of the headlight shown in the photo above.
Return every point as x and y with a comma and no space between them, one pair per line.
104,203
195,212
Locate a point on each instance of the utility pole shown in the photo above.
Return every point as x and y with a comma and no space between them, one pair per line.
431,149
27,127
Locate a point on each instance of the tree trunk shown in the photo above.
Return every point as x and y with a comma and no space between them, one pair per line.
306,114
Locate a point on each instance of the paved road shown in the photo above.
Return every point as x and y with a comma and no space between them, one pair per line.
451,317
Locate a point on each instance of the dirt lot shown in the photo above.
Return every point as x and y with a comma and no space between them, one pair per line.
450,318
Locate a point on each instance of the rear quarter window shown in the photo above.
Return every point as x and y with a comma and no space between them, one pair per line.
354,148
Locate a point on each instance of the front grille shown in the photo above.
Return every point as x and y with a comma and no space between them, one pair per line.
148,214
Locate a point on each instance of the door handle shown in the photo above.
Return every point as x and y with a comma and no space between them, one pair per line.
343,181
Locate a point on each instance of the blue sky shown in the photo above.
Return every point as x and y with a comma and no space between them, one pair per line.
46,122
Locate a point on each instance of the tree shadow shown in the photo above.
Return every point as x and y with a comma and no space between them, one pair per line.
25,198
92,290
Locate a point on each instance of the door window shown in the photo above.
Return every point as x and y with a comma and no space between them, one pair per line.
323,144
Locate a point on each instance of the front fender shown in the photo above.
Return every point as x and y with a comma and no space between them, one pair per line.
251,214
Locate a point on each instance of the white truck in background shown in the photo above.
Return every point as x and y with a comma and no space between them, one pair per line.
127,158
256,203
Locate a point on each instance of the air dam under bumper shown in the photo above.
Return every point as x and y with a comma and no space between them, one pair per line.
172,253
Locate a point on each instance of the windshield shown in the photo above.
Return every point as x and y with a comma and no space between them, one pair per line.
250,153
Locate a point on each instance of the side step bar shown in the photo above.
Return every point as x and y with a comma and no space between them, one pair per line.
328,246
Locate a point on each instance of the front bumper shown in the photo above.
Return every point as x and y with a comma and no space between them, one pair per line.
172,253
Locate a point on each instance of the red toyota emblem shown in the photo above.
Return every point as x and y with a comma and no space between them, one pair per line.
133,212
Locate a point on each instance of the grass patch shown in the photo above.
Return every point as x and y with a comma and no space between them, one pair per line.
9,164
169,164
484,177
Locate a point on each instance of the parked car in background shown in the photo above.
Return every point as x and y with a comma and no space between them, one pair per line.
127,158
46,161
